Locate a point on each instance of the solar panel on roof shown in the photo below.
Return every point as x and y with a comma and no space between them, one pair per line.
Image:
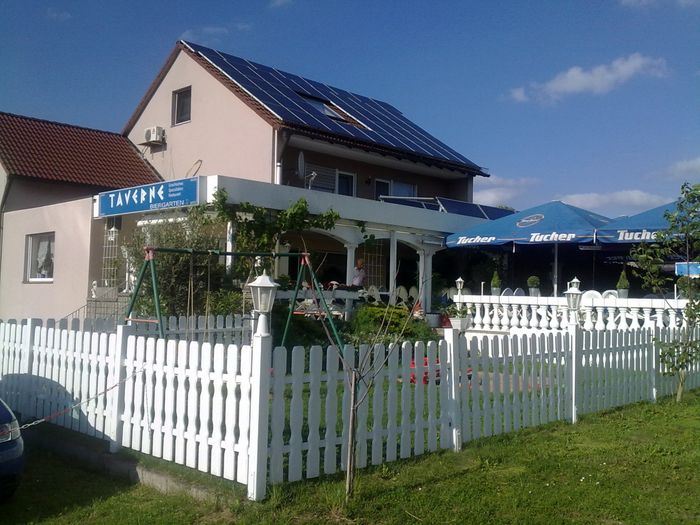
461,208
283,94
494,213
473,210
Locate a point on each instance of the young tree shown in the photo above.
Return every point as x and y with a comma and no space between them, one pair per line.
680,241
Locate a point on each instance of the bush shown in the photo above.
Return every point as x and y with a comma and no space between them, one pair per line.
387,324
533,281
228,302
495,280
622,282
303,331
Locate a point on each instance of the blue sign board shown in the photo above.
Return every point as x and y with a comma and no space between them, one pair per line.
691,269
151,197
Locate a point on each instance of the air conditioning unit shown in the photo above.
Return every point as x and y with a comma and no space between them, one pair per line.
154,135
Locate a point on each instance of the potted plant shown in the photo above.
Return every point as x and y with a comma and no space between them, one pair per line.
623,285
459,318
495,283
533,283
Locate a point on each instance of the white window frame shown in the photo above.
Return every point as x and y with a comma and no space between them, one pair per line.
387,182
338,173
30,241
176,93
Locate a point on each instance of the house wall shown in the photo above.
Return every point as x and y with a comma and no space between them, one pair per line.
3,182
72,224
28,193
366,175
224,136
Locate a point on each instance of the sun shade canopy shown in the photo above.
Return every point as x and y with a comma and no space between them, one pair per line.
551,223
636,228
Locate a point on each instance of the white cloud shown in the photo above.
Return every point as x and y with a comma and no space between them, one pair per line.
56,14
598,80
518,94
637,3
280,3
641,4
207,35
686,169
497,191
616,203
243,26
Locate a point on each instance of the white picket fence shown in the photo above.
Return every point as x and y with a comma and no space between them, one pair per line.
504,313
230,329
259,415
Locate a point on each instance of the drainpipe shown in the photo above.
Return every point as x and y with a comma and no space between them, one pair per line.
5,193
278,145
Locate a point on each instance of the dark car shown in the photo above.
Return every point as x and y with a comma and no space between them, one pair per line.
11,452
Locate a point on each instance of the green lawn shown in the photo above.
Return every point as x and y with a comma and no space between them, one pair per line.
635,465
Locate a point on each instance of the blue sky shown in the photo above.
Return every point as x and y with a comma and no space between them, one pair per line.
591,102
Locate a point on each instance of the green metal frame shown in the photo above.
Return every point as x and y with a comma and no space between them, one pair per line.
150,262
306,267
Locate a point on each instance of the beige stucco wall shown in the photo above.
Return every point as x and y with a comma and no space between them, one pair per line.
33,193
72,224
224,134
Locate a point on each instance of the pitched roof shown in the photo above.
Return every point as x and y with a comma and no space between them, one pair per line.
53,151
319,110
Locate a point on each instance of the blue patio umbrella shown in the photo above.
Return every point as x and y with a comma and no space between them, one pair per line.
636,228
551,223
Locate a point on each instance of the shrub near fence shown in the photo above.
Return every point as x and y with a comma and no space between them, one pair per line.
243,413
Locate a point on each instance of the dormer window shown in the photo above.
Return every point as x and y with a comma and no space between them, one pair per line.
327,108
182,105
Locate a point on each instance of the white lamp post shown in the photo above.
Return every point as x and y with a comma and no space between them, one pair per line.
573,299
263,290
460,284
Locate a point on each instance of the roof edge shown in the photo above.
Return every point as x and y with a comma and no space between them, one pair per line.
62,124
152,88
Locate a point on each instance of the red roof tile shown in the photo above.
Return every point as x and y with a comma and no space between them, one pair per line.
31,147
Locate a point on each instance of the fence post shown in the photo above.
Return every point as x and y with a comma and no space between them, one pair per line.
654,366
25,367
573,367
259,410
454,409
115,397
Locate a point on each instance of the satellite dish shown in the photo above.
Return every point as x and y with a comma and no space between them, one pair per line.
301,165
310,179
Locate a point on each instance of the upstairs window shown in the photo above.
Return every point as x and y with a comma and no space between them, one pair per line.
345,184
403,189
381,187
324,107
39,257
321,178
394,189
182,105
327,108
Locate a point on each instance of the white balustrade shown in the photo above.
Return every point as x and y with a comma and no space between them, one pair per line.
499,313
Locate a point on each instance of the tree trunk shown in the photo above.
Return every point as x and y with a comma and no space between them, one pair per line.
681,385
350,463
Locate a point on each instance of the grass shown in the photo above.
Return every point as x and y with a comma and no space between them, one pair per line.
640,464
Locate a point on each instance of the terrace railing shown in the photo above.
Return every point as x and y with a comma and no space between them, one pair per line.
498,313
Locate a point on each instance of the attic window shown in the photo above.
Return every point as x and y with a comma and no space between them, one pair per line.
327,108
182,105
